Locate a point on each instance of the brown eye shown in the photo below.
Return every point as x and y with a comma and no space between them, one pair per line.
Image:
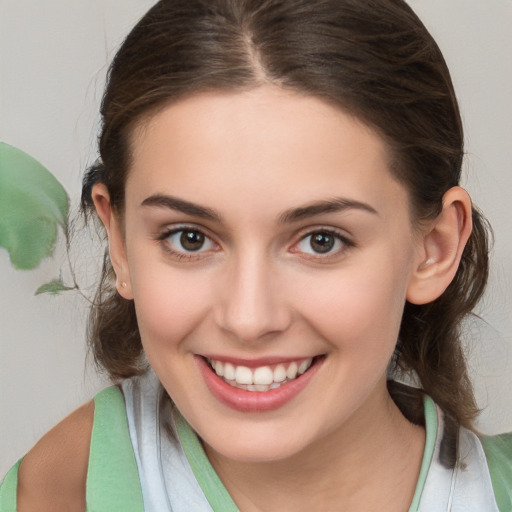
192,240
185,241
322,242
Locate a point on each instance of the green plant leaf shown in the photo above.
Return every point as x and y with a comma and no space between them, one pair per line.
54,287
32,206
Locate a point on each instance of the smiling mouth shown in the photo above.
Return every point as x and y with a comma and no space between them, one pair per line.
261,378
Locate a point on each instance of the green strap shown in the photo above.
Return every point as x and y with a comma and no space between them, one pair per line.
498,450
8,489
212,486
430,442
112,478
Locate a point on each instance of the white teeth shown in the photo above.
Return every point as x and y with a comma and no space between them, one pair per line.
262,378
263,375
243,375
304,365
219,368
229,371
258,387
291,373
279,373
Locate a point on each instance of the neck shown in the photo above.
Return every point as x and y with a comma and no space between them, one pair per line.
371,463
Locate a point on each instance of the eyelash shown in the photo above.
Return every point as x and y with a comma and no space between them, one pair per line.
346,243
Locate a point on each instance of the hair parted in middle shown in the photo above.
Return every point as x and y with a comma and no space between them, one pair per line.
375,60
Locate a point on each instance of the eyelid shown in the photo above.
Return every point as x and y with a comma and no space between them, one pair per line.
169,229
321,228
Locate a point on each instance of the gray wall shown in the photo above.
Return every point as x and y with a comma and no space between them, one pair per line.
53,57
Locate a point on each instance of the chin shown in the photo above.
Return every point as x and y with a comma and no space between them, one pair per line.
268,451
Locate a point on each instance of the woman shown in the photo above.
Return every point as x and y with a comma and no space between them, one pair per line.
279,184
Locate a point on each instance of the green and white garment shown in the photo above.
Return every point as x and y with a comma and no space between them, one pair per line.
136,466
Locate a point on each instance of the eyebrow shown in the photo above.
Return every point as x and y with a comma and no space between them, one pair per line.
180,205
333,205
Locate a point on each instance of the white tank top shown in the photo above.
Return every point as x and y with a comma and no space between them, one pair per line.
167,480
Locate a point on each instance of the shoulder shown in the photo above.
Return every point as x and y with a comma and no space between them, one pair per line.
53,474
498,452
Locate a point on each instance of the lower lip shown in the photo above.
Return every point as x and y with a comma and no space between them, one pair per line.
255,401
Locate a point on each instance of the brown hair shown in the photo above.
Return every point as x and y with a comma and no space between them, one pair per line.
372,58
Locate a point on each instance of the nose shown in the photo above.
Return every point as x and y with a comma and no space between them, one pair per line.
252,303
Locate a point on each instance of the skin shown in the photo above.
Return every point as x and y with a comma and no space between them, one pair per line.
53,474
258,290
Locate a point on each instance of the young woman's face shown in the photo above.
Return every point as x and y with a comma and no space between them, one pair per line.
265,236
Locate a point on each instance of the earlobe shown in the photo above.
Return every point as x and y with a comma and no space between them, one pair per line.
117,250
442,245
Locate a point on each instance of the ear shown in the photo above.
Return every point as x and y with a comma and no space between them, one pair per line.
442,244
117,250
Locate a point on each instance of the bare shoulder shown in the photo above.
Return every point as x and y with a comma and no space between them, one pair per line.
53,474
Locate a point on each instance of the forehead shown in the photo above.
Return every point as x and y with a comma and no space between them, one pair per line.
232,149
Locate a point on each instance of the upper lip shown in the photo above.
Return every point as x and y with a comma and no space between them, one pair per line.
254,363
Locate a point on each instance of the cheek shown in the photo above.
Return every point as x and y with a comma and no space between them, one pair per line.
358,308
169,304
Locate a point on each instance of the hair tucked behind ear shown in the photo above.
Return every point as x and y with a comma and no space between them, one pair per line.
371,58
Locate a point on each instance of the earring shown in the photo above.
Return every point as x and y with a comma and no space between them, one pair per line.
123,284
